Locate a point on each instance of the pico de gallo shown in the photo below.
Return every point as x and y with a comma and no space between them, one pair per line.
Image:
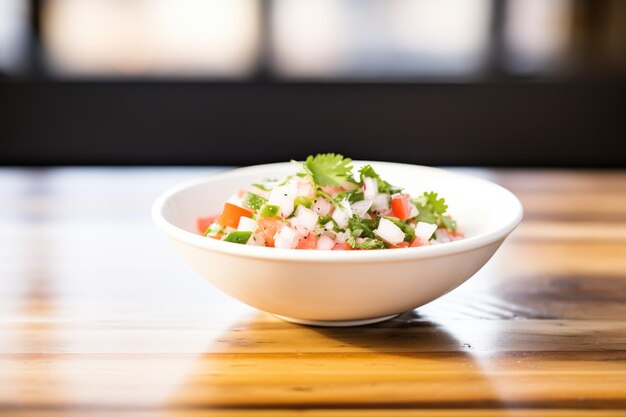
324,205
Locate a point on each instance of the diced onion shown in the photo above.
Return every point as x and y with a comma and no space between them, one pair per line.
235,200
425,230
246,224
295,223
442,236
257,240
305,189
342,214
370,188
283,197
306,217
321,206
380,202
325,243
342,237
389,232
287,238
360,208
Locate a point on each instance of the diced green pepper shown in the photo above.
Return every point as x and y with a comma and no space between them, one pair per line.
269,210
302,201
253,200
238,237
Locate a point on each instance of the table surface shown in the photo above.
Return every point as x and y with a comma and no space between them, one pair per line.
99,315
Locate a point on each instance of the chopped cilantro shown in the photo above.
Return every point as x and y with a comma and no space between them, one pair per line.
327,169
448,223
371,243
352,196
383,186
432,209
362,227
324,219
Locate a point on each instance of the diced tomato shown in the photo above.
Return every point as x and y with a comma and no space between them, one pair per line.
308,242
419,242
203,223
400,207
231,215
398,246
268,227
342,246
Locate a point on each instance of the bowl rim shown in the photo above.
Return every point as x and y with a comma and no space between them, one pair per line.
293,255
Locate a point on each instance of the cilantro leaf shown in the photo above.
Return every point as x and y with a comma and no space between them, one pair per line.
362,227
367,244
352,196
432,210
438,205
328,169
383,186
448,223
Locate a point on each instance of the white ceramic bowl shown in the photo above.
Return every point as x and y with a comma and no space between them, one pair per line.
341,288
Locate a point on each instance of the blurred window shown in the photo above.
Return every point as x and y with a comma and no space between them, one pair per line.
151,37
537,34
14,34
325,38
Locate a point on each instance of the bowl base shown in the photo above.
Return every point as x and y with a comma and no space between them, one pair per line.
336,323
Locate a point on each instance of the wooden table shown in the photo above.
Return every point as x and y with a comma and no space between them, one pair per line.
100,317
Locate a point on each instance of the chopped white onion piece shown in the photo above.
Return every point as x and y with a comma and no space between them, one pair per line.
389,232
329,226
325,243
442,236
342,237
235,200
256,240
425,230
360,208
214,228
246,224
370,188
330,234
306,217
295,223
283,197
321,206
305,189
342,214
287,238
380,202
413,211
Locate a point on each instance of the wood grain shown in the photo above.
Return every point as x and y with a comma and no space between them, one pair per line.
99,317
